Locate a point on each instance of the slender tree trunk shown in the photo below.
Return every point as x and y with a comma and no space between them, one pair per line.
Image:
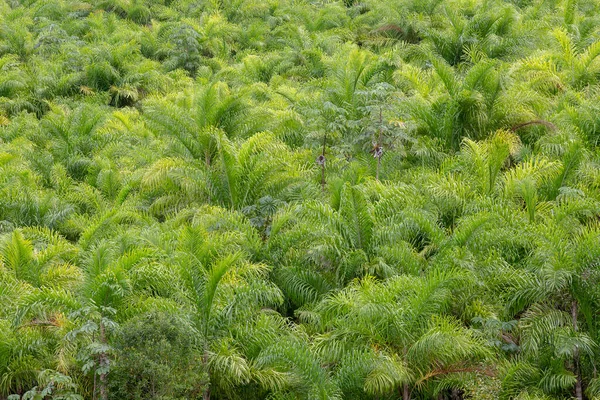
103,364
206,391
405,389
94,389
379,143
322,162
576,361
94,384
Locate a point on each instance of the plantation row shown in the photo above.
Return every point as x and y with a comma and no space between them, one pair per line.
294,199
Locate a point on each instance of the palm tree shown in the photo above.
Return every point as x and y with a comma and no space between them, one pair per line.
492,31
469,105
351,237
192,119
296,370
523,182
559,302
206,160
578,66
486,159
407,346
71,135
224,289
38,276
236,176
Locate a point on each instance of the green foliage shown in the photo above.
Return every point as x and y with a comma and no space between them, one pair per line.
299,199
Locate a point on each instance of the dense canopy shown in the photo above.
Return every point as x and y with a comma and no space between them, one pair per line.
299,199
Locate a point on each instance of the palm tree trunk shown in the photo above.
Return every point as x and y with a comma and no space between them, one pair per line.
103,362
576,361
206,391
406,392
